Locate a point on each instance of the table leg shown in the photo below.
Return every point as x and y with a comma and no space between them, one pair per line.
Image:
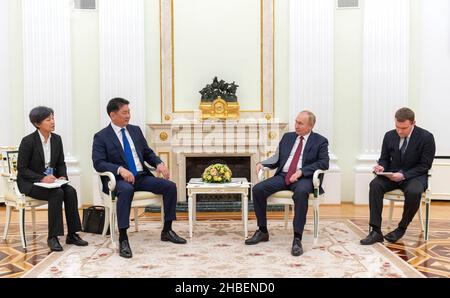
194,209
245,213
190,203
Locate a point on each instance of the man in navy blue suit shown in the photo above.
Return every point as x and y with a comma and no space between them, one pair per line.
298,155
407,152
121,148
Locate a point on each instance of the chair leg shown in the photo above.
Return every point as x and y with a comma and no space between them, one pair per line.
8,220
427,219
286,215
391,213
106,224
420,217
112,224
316,220
33,218
162,214
22,227
136,219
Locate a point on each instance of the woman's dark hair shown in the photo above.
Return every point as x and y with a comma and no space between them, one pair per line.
39,114
115,104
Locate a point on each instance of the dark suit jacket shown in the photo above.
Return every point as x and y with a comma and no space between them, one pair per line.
108,154
31,162
418,157
315,155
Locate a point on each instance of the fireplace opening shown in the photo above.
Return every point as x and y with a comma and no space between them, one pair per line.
239,166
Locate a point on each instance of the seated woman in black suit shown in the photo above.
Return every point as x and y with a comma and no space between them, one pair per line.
41,159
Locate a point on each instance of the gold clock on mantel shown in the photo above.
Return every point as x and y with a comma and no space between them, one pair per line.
219,109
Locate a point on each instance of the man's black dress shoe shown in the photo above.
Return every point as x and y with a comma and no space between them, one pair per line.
297,248
395,235
76,240
172,237
125,250
372,238
54,244
257,237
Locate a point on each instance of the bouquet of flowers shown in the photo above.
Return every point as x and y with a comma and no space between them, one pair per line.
217,173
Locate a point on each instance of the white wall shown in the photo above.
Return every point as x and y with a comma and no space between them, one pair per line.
434,78
6,135
217,38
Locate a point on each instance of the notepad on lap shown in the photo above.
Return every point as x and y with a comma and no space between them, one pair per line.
56,184
385,173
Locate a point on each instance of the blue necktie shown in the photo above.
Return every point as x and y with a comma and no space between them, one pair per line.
128,153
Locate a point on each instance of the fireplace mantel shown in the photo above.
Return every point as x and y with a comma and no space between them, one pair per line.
173,142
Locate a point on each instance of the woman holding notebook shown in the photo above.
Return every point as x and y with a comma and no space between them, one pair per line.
41,161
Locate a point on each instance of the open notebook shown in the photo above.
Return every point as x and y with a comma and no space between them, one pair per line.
56,184
385,173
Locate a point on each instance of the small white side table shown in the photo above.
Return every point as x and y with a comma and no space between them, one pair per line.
236,186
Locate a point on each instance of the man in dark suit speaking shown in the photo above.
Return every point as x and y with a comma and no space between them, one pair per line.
298,155
121,148
408,152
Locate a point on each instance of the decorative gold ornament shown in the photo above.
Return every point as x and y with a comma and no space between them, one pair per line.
163,136
219,108
167,117
272,135
268,116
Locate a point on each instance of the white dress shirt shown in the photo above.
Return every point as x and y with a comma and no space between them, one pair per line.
294,148
403,140
47,149
118,132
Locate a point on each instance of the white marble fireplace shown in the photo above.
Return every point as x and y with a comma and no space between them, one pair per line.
177,141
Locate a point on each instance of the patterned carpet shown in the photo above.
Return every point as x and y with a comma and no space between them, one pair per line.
216,243
217,250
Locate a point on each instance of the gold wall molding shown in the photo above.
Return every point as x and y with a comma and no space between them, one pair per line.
167,65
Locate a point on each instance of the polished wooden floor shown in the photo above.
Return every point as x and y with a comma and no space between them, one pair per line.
432,258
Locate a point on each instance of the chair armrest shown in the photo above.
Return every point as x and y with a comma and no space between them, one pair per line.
261,173
14,188
111,182
316,180
428,190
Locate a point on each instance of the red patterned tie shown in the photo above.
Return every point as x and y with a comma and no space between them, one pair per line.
294,162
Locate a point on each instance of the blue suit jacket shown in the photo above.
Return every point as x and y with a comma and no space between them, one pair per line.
315,155
108,154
